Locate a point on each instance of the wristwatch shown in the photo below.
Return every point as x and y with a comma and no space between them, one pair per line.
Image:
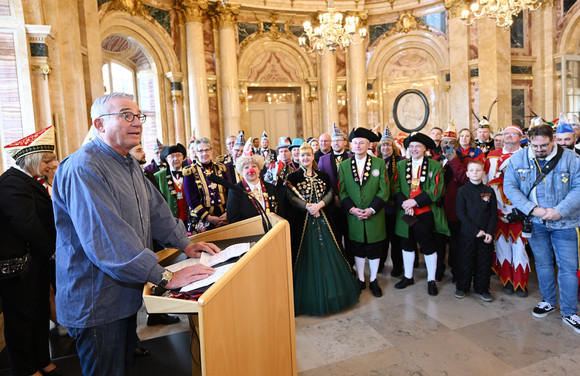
166,278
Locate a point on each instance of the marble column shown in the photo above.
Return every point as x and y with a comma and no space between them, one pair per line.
327,93
543,46
226,19
40,71
176,79
460,105
357,82
495,79
194,11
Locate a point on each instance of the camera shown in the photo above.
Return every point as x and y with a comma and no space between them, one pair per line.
515,216
527,227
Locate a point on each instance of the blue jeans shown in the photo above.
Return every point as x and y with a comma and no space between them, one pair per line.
106,349
563,244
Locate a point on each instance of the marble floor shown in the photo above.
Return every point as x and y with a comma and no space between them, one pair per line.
407,332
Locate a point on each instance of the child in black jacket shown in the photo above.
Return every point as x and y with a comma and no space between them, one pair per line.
477,212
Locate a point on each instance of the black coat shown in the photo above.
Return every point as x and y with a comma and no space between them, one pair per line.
240,207
26,217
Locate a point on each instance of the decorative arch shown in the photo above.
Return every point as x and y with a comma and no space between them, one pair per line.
158,48
305,72
569,43
431,45
288,47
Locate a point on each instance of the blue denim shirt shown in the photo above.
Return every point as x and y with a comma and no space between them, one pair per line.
107,214
562,186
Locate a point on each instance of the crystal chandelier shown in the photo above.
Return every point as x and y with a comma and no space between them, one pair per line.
502,11
331,31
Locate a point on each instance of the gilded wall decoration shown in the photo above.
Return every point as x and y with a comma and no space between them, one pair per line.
273,67
406,23
133,7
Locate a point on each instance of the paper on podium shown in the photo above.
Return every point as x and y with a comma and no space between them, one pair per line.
232,251
219,272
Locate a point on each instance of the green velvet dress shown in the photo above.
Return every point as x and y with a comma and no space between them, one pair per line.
323,279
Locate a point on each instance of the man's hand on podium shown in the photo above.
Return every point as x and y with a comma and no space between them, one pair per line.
195,249
189,275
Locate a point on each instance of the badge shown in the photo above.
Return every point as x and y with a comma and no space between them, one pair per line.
422,179
179,195
376,172
564,180
430,175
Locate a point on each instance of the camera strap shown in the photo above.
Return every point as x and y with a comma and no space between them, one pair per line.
549,166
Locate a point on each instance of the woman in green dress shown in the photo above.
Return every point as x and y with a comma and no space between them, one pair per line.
323,279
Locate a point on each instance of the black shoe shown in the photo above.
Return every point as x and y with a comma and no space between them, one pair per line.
432,288
522,293
376,289
161,319
140,351
396,273
404,283
361,285
54,372
508,288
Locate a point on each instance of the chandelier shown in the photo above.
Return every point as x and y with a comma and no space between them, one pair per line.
331,31
502,11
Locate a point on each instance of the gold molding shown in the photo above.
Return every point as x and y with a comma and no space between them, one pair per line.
192,10
133,7
406,23
44,69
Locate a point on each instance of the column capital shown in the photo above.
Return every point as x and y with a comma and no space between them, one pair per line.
192,10
37,33
226,16
174,76
455,7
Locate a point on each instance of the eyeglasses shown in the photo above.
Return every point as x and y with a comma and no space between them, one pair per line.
129,116
543,146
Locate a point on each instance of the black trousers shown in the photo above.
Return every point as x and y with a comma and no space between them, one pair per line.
394,241
454,244
26,309
422,233
473,263
340,228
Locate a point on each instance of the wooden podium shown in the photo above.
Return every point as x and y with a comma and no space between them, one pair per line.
244,321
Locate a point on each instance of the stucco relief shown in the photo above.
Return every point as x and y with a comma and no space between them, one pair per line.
409,63
273,67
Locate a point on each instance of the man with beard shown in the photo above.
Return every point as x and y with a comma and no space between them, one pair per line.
565,135
265,151
329,163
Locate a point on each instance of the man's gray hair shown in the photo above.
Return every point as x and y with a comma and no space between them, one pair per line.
101,104
203,140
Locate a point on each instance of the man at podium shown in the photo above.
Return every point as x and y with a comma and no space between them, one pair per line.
107,215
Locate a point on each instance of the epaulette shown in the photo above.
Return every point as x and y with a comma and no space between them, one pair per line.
188,170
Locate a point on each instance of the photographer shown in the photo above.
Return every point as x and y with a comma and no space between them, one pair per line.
543,182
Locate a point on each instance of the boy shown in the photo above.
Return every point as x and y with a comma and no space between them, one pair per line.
477,212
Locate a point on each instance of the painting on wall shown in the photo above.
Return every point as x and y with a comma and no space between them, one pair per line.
411,110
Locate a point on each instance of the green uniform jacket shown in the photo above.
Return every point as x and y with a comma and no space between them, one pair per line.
373,193
164,180
432,189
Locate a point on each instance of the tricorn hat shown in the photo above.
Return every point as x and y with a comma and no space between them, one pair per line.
422,138
361,132
173,149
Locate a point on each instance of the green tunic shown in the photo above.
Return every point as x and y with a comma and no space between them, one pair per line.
373,193
433,188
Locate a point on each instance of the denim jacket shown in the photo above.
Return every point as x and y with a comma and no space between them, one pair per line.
562,186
